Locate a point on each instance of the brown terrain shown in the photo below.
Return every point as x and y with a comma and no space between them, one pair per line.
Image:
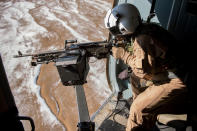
60,20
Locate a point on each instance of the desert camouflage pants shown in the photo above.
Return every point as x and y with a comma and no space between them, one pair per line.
166,97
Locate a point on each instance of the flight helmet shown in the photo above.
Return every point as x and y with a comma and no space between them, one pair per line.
123,19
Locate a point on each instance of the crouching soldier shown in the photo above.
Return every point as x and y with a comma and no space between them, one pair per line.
156,86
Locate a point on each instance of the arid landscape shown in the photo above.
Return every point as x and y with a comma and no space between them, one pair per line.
39,25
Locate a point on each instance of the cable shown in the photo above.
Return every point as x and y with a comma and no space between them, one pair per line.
118,113
112,112
118,98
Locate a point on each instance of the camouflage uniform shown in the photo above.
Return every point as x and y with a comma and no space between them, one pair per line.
153,91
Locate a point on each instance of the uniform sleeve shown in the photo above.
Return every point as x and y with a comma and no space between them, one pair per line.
142,58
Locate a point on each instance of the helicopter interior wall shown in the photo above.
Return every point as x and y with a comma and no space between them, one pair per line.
163,9
182,21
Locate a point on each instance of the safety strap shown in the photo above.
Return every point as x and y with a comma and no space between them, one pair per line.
152,13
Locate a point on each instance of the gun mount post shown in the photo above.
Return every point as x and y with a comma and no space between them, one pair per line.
84,119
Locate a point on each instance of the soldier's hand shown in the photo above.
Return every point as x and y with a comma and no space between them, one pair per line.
118,52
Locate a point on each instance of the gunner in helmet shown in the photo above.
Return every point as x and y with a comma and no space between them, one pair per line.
156,85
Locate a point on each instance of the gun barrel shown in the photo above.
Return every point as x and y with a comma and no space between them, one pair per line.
25,55
39,54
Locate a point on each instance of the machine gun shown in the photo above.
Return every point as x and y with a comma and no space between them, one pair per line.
97,49
72,61
72,65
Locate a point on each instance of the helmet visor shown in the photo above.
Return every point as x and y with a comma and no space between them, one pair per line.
111,22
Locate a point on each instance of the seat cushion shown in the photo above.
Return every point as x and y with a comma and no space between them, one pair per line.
166,118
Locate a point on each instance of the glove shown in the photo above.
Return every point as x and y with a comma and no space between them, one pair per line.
118,52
